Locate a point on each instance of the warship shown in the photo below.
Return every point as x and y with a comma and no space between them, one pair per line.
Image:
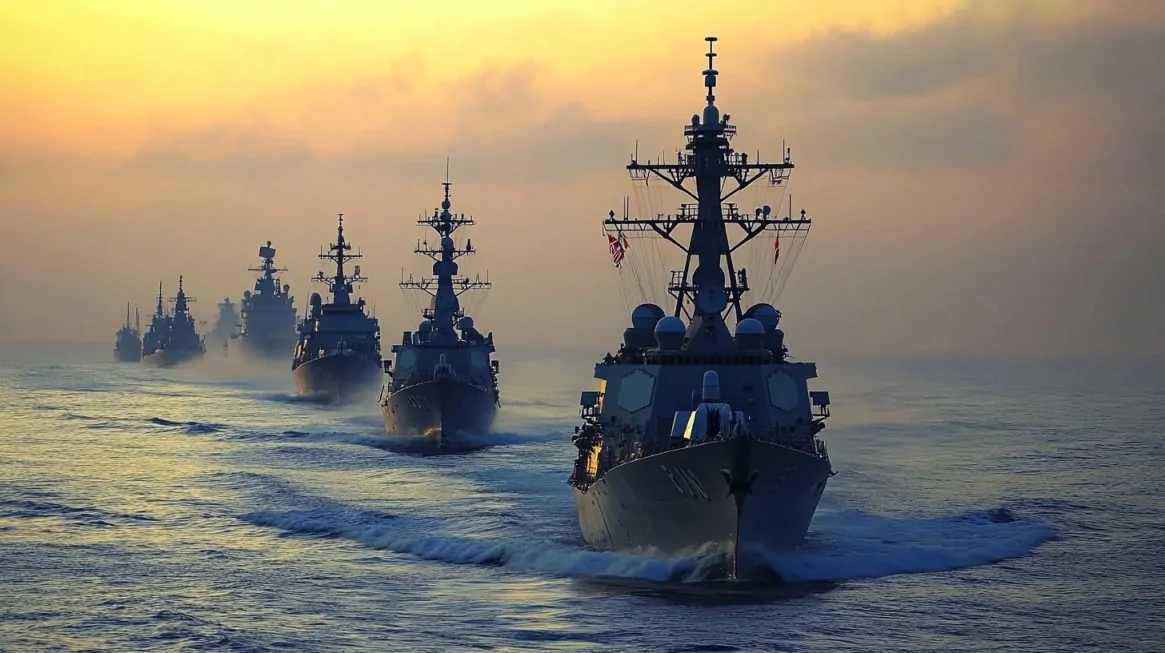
269,319
338,351
442,383
701,440
128,348
172,339
226,327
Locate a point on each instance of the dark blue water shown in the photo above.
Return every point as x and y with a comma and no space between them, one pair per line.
980,506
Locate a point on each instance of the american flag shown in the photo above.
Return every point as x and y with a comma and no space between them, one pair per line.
618,247
776,249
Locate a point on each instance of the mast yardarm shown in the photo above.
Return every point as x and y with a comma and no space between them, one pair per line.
446,285
181,301
268,269
340,284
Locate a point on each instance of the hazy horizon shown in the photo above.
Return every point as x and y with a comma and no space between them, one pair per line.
985,177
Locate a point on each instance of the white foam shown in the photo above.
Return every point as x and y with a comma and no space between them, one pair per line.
848,546
854,544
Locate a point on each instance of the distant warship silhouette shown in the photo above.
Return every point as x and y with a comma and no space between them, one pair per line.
269,320
128,348
226,326
172,339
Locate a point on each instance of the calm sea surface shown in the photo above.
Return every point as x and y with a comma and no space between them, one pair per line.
979,506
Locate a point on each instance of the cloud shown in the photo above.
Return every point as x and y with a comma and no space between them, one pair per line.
988,182
246,154
912,139
496,125
982,89
859,66
1017,53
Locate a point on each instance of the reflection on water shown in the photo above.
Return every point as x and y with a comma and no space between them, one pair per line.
714,593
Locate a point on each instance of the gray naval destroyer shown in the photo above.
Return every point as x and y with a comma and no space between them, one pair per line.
269,320
172,338
337,356
226,326
128,348
444,384
701,439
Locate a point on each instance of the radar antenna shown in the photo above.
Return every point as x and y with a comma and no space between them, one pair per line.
181,301
267,283
160,309
446,284
340,284
701,289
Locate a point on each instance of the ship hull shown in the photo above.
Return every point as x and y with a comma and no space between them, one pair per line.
744,498
127,356
268,346
337,378
444,409
171,357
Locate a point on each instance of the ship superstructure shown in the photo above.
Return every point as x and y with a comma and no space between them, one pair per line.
268,314
337,355
443,382
172,338
701,436
128,348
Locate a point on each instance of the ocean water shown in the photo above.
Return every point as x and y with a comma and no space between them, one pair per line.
979,506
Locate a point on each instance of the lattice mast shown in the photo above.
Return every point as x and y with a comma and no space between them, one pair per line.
446,284
181,301
339,252
705,294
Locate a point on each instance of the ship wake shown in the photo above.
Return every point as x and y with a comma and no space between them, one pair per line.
460,443
853,544
381,534
846,546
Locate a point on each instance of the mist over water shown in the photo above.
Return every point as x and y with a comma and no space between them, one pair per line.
208,507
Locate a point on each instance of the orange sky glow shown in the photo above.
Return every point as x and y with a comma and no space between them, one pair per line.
956,155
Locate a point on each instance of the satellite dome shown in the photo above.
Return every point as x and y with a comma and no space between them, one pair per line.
246,294
286,287
669,333
465,324
765,314
750,334
425,327
446,243
646,316
750,327
316,300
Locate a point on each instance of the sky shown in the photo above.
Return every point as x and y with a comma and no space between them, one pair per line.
985,177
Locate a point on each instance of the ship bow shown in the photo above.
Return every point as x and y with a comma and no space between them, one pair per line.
447,409
337,378
744,499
